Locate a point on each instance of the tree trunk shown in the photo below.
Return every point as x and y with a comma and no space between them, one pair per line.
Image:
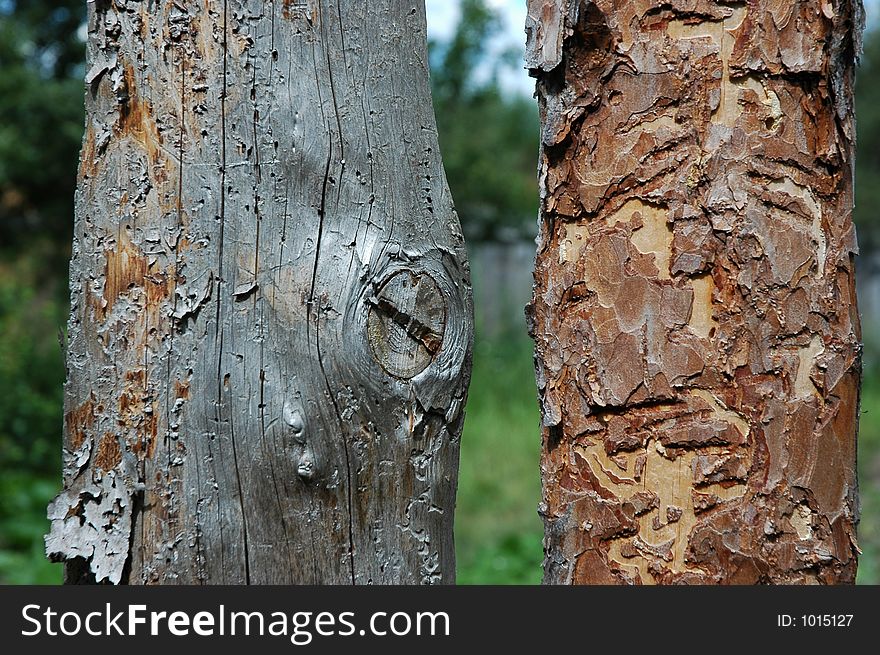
271,324
694,312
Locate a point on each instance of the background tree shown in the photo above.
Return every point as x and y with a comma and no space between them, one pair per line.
697,337
270,321
488,135
40,117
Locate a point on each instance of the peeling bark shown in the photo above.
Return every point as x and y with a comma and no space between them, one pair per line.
271,323
694,311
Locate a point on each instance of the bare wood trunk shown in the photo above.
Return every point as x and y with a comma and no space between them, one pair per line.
271,324
694,312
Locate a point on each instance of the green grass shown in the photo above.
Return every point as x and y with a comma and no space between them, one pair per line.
23,522
33,303
869,483
497,528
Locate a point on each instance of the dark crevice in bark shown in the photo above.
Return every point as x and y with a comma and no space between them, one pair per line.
320,357
137,508
221,282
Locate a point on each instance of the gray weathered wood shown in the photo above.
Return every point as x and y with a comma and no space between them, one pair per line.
257,181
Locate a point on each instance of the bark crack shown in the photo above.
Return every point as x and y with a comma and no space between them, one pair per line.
220,283
311,302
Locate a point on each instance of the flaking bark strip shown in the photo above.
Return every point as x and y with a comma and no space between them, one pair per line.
694,312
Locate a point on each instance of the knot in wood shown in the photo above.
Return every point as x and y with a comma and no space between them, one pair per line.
406,322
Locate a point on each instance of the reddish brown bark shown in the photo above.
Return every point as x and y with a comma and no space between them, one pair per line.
697,337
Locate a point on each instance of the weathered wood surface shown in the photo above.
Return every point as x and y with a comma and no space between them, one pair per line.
253,396
694,311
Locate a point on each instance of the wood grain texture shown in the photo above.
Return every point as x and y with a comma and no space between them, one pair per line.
253,174
694,312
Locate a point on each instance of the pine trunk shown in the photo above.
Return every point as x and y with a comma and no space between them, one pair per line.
694,313
271,315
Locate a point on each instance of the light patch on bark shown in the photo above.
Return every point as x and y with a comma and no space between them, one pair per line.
801,521
93,524
702,321
811,209
722,412
655,238
803,384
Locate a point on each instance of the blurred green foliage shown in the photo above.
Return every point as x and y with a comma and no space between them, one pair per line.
497,529
869,482
31,375
489,142
488,138
41,122
31,367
